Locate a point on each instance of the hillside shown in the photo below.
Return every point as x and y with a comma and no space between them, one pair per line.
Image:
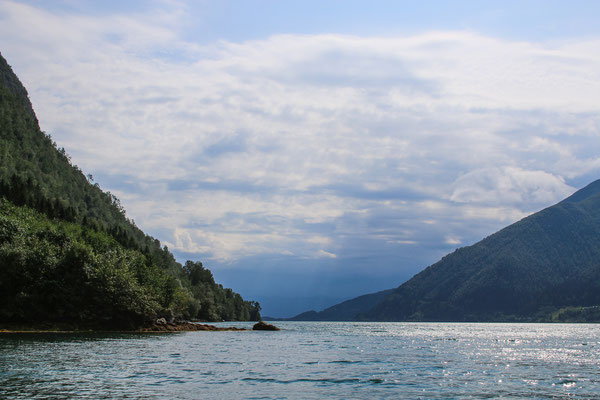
346,310
542,263
65,243
545,267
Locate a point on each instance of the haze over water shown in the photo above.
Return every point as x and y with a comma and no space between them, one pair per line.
309,360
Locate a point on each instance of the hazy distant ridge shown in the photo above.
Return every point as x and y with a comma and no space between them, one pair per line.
346,310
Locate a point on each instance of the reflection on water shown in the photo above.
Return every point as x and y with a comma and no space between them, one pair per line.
309,360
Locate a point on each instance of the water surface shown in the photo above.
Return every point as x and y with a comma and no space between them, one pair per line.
309,360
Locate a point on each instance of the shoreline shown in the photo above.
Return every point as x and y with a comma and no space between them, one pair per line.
156,328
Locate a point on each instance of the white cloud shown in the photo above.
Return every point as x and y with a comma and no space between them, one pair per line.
509,186
325,254
297,142
453,241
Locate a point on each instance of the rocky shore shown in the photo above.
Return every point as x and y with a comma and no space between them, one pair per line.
160,325
263,326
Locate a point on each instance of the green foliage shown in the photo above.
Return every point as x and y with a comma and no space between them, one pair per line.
57,271
78,257
212,301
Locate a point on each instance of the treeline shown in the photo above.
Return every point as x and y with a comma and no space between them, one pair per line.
56,271
56,222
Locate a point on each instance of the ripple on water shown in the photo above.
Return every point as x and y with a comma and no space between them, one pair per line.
345,362
310,360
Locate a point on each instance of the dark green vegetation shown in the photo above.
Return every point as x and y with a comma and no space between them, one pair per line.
577,314
545,267
68,252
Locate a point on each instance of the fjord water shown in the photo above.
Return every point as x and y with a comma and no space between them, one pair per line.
309,360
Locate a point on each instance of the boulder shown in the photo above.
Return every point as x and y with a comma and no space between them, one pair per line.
263,326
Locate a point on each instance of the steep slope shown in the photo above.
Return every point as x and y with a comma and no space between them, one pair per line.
35,172
55,226
346,310
525,272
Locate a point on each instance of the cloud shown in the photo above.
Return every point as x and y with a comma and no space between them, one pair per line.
325,254
332,147
453,241
509,186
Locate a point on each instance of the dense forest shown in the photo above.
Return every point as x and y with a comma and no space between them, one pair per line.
544,268
68,251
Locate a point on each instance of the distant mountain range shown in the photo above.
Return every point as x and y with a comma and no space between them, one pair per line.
543,268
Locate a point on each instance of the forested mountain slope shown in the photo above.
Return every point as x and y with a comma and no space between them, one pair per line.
64,243
525,272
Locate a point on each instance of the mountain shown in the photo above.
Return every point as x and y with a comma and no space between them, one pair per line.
545,267
346,310
69,253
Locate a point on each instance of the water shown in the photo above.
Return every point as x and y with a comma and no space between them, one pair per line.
309,361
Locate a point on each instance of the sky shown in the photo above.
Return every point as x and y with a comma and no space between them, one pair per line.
310,152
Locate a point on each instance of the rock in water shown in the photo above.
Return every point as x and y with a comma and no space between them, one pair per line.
263,326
